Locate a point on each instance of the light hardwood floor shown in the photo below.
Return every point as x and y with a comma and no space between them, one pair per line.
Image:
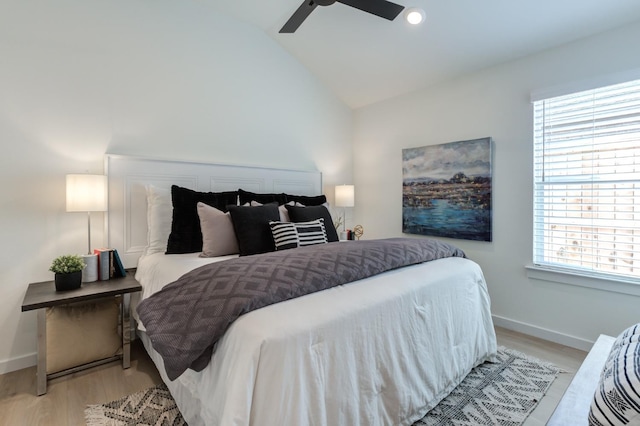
66,397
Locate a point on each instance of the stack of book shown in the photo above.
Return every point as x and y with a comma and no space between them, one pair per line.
109,264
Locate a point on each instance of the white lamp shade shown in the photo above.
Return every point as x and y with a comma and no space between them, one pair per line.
86,193
345,196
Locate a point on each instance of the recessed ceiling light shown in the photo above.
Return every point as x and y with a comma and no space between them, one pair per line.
414,16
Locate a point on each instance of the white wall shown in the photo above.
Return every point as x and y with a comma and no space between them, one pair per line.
167,79
495,102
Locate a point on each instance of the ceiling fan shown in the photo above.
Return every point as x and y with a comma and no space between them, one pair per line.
382,8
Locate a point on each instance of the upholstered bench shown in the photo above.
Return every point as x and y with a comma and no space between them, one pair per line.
607,384
573,408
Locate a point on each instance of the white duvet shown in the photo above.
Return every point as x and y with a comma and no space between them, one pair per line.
379,351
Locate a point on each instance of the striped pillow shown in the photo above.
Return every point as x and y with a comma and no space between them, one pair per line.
617,397
287,235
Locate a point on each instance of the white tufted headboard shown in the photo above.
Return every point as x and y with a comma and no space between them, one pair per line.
126,220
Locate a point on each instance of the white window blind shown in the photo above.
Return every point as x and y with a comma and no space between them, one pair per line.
587,181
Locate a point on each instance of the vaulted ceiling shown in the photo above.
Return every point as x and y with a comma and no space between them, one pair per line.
365,59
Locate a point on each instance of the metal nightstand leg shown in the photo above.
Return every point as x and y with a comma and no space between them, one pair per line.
41,367
126,330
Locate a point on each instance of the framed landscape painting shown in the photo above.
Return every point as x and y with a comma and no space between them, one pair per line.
446,190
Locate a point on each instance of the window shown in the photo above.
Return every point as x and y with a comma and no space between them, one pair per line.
587,182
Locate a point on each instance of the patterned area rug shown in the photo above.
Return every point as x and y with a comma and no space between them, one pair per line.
151,407
500,393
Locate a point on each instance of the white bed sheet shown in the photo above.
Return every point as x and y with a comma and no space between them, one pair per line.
379,351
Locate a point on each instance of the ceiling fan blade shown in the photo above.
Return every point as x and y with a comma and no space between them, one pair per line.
382,8
299,16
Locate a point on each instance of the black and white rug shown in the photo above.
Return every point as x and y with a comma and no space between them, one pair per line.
500,393
150,407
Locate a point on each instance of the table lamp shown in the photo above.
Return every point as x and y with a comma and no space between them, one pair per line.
345,197
87,193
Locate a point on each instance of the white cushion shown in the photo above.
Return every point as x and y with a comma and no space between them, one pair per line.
159,217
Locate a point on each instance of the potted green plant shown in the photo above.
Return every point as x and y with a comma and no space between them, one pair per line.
68,271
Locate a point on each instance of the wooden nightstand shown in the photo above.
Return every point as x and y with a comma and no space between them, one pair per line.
43,295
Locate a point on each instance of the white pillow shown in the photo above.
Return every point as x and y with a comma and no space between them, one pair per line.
218,234
159,217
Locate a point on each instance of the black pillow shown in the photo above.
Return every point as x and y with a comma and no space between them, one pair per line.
186,236
318,200
252,227
247,197
306,214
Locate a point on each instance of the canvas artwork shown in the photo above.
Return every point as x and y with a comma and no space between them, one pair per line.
446,190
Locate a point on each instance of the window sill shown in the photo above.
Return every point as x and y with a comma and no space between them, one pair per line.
623,286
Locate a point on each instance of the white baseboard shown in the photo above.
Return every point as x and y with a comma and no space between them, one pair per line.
14,364
543,333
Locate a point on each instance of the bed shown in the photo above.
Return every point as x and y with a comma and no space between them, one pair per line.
381,350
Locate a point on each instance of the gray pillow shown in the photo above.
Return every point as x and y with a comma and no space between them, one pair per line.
218,235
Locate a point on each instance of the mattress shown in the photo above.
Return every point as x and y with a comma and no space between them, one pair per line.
379,351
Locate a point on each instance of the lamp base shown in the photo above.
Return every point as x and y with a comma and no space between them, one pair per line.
90,272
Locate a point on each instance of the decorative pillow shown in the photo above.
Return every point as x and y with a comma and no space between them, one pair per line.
317,200
247,197
252,227
288,235
159,211
186,236
284,213
218,235
307,214
617,398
